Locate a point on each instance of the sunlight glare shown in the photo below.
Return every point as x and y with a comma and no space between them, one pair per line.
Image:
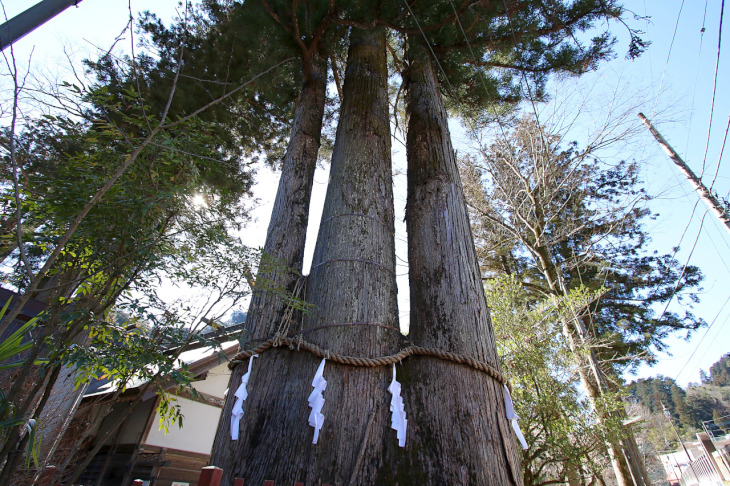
199,201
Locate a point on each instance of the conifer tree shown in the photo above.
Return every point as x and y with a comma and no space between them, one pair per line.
510,41
448,309
561,222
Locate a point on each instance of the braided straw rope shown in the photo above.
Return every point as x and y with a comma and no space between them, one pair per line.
369,362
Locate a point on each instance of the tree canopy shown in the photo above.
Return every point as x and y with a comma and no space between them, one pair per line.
102,196
547,211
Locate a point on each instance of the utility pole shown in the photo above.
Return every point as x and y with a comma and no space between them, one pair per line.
31,19
717,208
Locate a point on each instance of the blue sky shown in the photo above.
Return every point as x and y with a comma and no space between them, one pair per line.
674,87
683,80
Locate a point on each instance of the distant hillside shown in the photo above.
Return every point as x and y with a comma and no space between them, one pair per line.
708,401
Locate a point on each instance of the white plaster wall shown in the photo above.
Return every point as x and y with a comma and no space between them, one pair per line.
197,433
216,382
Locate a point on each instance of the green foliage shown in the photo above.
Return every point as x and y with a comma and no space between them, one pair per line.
561,219
487,52
491,51
720,371
223,45
13,345
562,431
145,227
10,349
170,412
687,409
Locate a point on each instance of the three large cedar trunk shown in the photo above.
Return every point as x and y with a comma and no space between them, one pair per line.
457,430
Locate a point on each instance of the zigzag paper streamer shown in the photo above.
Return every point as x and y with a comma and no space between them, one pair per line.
398,420
241,395
316,401
513,417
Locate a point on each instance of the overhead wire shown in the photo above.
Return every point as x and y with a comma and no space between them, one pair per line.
651,63
428,43
719,159
523,79
446,79
676,287
707,331
669,54
722,236
714,179
535,110
714,89
697,77
481,79
536,113
523,75
686,264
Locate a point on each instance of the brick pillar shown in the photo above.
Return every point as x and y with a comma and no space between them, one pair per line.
238,482
210,476
137,482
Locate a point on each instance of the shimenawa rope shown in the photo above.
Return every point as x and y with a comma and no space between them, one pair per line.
300,344
281,339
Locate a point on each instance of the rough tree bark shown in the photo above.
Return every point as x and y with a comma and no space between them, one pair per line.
459,433
352,288
287,232
285,240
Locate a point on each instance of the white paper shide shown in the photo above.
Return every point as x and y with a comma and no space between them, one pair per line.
398,421
513,417
241,395
316,401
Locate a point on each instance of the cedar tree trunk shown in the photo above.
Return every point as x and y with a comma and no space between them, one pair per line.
459,433
285,238
285,244
351,287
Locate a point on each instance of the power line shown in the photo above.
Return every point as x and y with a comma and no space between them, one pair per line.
717,208
722,149
651,63
524,76
717,250
535,111
707,331
714,89
684,268
666,64
697,77
484,85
